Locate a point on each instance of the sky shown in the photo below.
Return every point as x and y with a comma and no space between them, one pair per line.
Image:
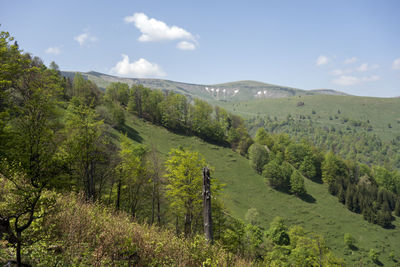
351,46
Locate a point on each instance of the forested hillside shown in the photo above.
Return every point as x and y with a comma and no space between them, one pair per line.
95,178
362,128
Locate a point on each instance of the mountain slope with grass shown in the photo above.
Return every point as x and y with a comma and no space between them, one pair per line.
383,114
320,212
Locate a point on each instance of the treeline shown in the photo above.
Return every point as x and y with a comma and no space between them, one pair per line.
350,139
180,114
371,191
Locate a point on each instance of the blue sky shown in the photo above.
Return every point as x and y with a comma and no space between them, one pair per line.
352,46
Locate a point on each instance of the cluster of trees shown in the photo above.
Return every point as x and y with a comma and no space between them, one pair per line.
180,114
277,245
349,139
371,191
283,162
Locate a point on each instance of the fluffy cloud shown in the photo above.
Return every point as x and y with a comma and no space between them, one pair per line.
140,68
322,60
184,45
53,50
156,30
344,80
338,72
396,64
350,60
366,67
85,38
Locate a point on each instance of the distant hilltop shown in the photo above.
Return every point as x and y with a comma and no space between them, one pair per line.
231,91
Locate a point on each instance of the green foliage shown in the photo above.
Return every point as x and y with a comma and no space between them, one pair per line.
117,92
332,168
91,235
258,157
297,184
277,232
184,173
296,153
373,255
349,240
84,147
252,216
133,176
308,168
85,90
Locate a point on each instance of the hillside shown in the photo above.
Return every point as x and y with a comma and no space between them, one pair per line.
245,189
328,110
232,91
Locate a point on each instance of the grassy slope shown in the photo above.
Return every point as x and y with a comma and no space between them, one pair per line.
380,111
246,189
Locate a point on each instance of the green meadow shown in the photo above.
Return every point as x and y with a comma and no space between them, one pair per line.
321,213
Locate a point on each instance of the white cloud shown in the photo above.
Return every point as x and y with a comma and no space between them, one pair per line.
53,50
350,60
344,80
140,68
396,64
85,38
184,45
366,67
156,30
338,72
322,60
372,78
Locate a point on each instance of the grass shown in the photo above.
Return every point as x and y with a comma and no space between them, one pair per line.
245,189
379,111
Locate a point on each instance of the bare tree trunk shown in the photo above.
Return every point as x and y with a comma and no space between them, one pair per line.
117,206
153,201
158,209
188,224
19,261
207,205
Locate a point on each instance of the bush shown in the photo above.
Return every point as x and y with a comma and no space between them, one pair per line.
349,241
373,255
84,234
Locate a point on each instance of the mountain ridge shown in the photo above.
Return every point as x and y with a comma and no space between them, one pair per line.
229,91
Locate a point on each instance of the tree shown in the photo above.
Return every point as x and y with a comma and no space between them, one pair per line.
333,168
156,169
277,232
86,90
54,66
277,174
297,184
397,208
258,157
174,110
133,174
307,167
296,153
117,92
84,146
200,117
349,240
252,216
21,205
263,138
184,173
28,167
